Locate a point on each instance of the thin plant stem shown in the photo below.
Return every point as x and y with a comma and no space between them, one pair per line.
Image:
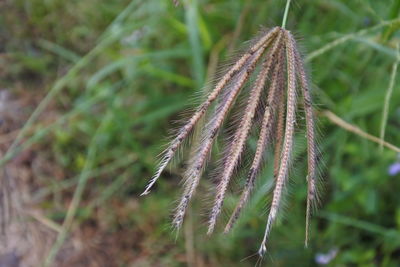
121,162
45,221
285,15
354,129
364,225
191,17
388,95
76,199
347,37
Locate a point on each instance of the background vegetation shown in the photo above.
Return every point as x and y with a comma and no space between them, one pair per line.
115,75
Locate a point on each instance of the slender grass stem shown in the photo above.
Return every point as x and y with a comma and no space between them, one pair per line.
76,199
191,17
354,129
286,13
122,162
388,96
350,36
360,224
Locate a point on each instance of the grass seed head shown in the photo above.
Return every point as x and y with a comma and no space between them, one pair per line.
280,77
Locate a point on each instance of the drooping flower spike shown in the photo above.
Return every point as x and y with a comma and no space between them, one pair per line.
276,64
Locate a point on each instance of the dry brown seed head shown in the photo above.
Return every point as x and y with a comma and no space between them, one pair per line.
283,70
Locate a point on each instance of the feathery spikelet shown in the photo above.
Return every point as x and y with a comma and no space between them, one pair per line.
282,75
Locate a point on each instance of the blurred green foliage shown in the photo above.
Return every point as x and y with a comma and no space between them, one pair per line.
138,64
